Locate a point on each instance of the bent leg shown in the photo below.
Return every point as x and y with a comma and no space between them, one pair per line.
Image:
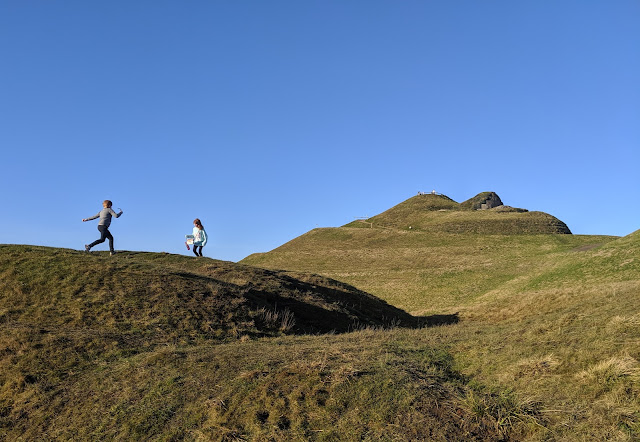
103,236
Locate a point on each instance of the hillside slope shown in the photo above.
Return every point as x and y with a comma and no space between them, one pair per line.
174,296
545,349
566,333
422,272
164,347
554,318
430,254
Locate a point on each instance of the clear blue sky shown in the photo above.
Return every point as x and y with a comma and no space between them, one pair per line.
269,118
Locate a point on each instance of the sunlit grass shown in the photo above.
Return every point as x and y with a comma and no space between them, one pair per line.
547,346
553,318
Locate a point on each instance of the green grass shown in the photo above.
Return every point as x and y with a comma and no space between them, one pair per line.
440,214
560,329
179,298
545,344
423,272
551,318
157,346
365,385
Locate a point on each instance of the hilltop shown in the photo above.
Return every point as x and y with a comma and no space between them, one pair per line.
483,214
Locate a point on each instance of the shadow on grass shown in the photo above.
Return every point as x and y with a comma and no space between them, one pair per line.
438,320
278,303
305,315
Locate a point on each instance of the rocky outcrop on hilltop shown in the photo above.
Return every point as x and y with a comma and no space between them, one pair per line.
483,201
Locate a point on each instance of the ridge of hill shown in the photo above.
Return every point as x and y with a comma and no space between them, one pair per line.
439,213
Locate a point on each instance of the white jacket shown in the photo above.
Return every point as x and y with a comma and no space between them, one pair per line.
199,237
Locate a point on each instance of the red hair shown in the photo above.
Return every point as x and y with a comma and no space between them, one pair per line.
198,223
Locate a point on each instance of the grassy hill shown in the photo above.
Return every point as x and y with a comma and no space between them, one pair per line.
552,318
538,338
157,346
176,298
452,253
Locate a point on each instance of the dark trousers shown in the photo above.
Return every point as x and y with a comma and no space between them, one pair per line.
195,250
104,234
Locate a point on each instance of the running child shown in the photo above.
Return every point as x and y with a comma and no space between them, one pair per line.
103,225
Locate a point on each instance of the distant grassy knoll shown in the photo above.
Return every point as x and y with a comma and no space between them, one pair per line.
439,213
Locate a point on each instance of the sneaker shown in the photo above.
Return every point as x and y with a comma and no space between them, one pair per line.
86,248
112,253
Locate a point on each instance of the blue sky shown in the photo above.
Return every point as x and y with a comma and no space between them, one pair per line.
269,118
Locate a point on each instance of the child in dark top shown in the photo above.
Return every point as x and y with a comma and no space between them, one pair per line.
103,225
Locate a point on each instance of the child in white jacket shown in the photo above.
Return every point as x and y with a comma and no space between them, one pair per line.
199,237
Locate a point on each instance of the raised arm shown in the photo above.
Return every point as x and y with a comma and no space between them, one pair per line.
91,217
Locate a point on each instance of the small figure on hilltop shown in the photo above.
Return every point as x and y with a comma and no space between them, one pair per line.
199,237
103,225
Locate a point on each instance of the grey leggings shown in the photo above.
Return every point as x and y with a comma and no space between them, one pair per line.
104,234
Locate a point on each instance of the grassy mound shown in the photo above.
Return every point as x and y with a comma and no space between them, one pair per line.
155,346
174,298
439,213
